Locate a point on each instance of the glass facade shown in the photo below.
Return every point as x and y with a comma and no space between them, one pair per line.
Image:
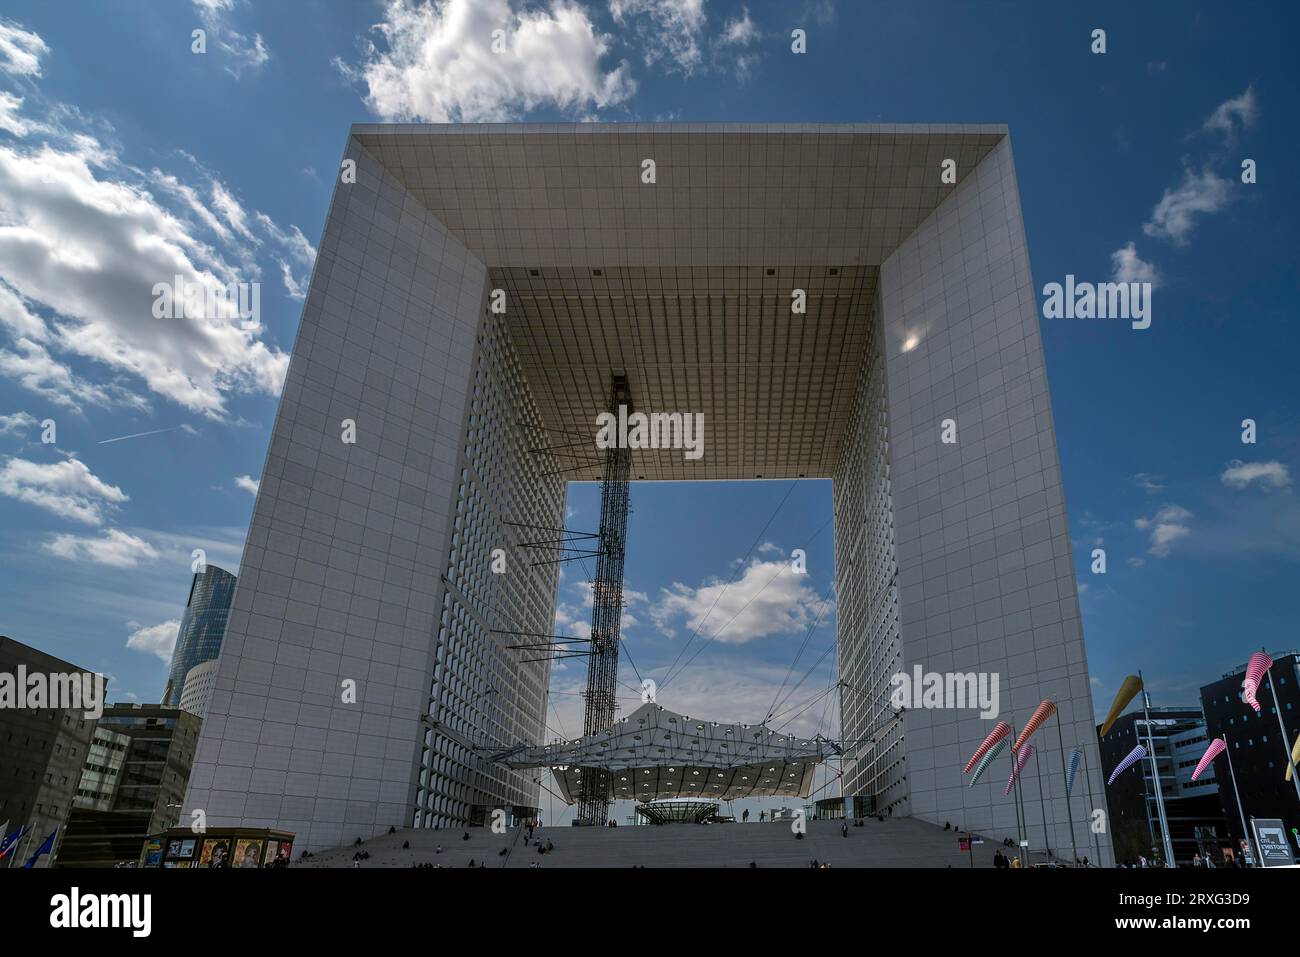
202,629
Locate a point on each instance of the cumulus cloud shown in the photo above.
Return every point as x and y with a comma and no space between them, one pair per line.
114,548
1267,475
20,50
157,640
436,63
768,598
1174,217
1127,266
247,483
1167,526
67,489
86,240
1240,112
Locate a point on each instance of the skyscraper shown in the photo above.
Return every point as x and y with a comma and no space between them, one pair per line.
202,629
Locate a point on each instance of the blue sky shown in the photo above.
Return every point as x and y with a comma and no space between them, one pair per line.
125,157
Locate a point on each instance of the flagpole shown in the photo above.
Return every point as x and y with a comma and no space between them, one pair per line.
1241,811
1042,802
1277,709
1065,772
1092,799
1015,803
18,851
1155,775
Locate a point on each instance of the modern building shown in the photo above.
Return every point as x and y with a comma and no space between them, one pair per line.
199,681
44,749
1192,808
131,785
203,627
1256,744
655,754
676,811
831,303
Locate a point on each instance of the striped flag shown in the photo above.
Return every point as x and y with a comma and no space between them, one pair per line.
1259,663
1000,730
1044,711
1133,757
1216,748
1022,758
1072,768
985,761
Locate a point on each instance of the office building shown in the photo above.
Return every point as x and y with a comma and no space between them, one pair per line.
202,629
131,785
44,749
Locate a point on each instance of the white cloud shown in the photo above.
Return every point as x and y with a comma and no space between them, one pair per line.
67,489
1167,526
769,598
1241,110
247,483
90,247
1127,266
1241,474
244,52
17,424
670,31
113,548
157,640
32,367
438,65
740,31
20,50
1148,482
1174,216
297,248
739,35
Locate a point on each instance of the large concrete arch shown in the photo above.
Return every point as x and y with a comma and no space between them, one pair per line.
369,562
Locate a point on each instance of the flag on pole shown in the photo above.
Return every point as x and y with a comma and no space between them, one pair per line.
985,761
1132,758
47,845
1036,720
1022,758
1072,768
1258,664
1127,692
1216,748
10,842
1000,731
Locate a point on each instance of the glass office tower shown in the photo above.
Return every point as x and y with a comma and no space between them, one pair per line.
202,629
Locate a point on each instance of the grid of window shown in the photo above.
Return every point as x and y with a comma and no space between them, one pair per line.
867,596
484,694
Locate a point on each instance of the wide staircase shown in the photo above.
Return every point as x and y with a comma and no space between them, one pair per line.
894,842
